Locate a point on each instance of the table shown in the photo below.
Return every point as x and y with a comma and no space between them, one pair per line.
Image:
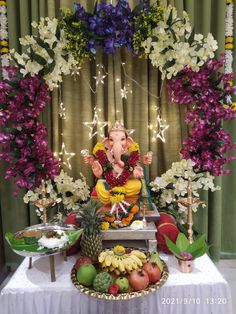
204,291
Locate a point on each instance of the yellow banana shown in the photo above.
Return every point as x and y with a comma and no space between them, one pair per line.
139,254
111,268
137,260
121,266
128,264
108,260
102,256
117,272
114,261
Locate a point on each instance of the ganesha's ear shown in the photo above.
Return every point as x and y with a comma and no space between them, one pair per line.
106,143
129,141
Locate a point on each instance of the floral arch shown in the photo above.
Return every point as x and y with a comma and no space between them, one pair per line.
185,59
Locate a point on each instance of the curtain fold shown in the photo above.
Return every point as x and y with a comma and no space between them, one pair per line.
138,111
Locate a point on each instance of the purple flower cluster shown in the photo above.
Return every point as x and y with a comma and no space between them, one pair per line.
23,137
207,89
109,27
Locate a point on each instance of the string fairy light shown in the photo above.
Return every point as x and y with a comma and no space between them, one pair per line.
159,128
96,126
65,156
101,75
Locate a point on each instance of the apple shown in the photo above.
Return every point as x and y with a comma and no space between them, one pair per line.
153,271
86,274
83,260
123,284
138,279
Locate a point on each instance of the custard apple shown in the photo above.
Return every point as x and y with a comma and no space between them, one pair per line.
102,282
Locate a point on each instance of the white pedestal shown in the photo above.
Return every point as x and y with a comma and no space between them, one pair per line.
141,238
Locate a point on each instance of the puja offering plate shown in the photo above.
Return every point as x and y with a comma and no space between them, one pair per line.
43,239
120,272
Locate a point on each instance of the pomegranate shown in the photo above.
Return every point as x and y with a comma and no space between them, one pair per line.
83,260
138,279
153,271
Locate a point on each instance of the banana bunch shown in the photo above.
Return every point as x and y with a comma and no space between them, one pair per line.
121,264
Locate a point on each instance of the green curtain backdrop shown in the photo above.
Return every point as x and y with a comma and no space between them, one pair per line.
139,110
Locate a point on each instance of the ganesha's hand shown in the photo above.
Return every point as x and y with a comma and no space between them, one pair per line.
89,159
147,159
138,172
97,169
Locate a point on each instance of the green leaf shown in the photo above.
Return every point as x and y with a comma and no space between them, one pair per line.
38,58
200,252
74,236
182,242
200,243
173,34
172,247
170,18
58,32
137,9
191,37
50,52
54,44
49,68
168,64
41,43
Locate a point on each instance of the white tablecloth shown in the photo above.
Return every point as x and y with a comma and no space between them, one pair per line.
29,291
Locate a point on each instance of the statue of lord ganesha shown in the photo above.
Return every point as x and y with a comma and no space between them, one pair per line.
116,163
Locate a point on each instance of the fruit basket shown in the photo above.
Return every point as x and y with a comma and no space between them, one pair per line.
43,239
128,267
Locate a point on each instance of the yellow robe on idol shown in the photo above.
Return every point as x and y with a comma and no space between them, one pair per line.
132,187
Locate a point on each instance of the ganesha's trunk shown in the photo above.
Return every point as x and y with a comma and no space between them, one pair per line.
117,151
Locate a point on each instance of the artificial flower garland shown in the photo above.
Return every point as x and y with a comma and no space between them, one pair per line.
4,46
229,44
168,41
130,161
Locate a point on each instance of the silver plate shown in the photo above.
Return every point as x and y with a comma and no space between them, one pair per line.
45,227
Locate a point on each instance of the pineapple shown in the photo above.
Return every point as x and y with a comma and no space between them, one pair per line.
91,243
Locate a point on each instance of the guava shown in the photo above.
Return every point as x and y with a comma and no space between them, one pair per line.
123,283
86,274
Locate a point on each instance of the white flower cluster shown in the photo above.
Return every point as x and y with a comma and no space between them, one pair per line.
172,45
4,59
46,52
62,190
174,182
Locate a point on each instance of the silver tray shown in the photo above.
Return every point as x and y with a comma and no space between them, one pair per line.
45,227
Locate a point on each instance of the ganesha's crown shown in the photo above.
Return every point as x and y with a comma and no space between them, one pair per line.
118,126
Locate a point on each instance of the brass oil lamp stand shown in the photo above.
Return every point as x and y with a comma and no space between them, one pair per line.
44,203
188,202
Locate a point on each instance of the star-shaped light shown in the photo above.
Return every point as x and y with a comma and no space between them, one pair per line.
159,129
124,92
100,76
62,111
66,156
96,124
75,71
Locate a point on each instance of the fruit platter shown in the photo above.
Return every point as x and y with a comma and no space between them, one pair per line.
120,274
43,239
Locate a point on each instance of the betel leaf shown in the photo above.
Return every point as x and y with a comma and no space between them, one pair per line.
74,236
182,242
58,32
172,247
36,57
200,252
197,245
